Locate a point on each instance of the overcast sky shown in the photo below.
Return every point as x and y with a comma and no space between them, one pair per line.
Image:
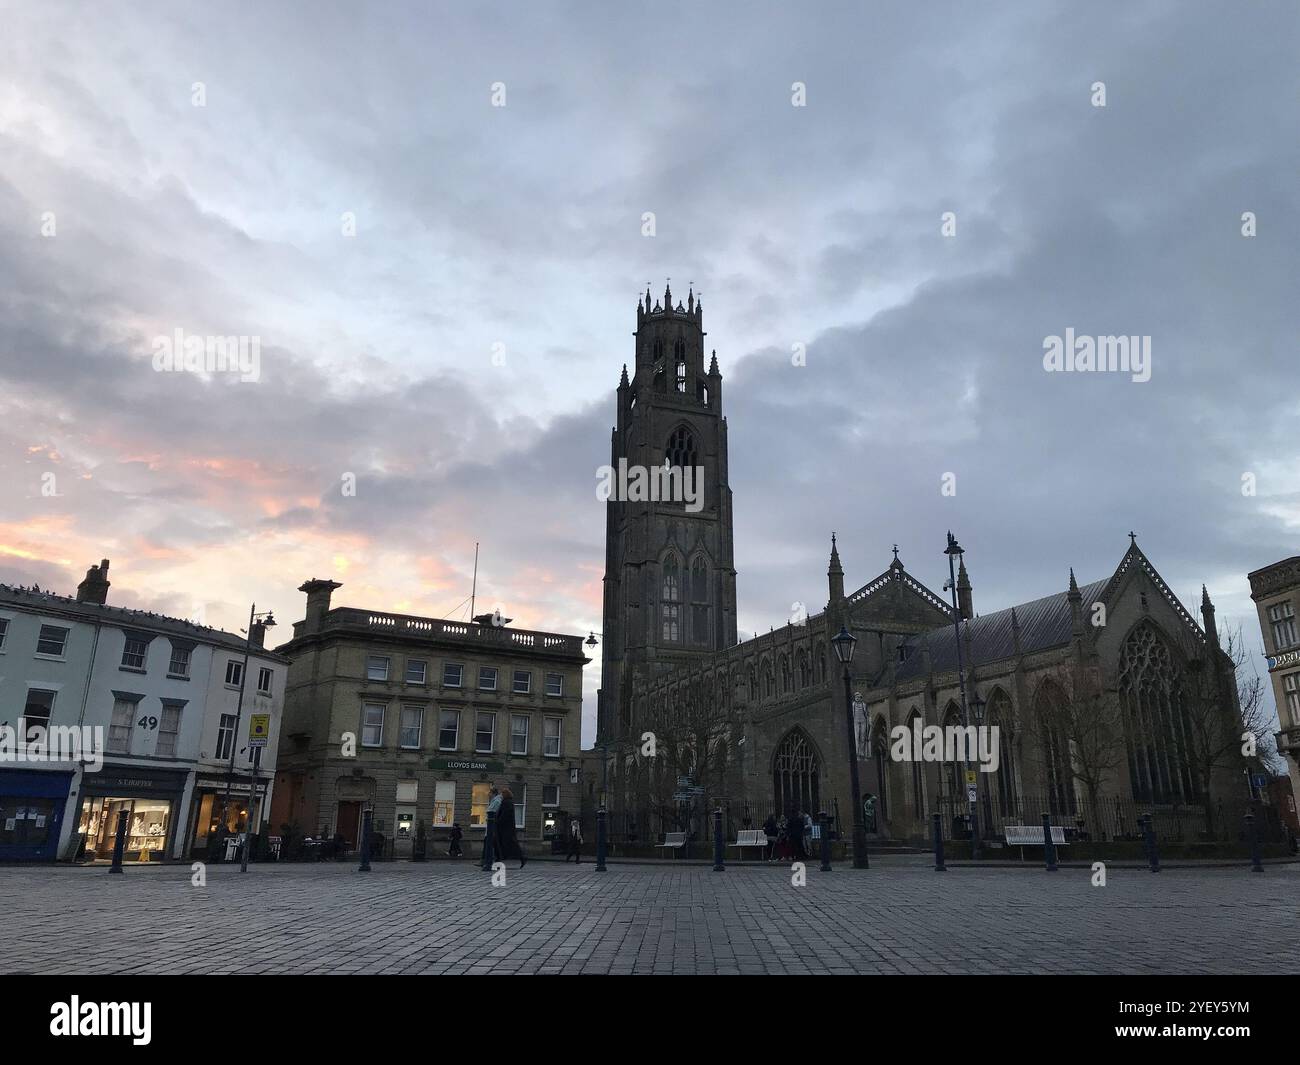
458,353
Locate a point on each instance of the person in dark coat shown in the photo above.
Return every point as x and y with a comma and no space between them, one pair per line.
507,841
456,836
575,842
771,831
794,829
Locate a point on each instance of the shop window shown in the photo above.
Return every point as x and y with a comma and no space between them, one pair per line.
487,678
478,804
25,820
1291,689
376,667
519,733
552,729
169,727
372,725
225,737
485,725
523,682
416,670
449,730
555,684
52,641
444,803
412,724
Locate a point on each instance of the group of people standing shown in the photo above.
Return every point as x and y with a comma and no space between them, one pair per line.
788,836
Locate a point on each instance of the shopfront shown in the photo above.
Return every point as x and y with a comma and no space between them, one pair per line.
151,800
31,813
210,808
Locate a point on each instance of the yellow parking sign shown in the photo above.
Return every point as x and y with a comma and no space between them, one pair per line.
259,729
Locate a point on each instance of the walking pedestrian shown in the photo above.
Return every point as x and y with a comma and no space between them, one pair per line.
507,840
575,842
771,831
457,835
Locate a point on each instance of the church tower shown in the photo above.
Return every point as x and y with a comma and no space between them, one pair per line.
670,578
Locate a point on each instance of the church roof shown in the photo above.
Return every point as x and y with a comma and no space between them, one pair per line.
1043,623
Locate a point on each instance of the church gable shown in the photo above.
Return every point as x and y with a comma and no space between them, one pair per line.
897,602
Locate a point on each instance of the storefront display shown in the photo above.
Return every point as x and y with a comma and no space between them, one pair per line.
148,797
31,813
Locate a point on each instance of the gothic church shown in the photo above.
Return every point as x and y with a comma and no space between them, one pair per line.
1093,718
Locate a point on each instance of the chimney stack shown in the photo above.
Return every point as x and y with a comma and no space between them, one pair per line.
94,589
318,602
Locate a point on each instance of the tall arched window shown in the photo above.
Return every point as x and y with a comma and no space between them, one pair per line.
1000,716
954,769
700,602
671,599
880,754
679,362
914,723
681,448
796,774
769,689
1052,711
805,670
1151,692
660,370
785,675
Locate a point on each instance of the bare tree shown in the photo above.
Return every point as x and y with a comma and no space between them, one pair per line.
1078,727
1225,712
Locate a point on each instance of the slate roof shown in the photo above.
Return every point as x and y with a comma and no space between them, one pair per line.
122,617
1043,623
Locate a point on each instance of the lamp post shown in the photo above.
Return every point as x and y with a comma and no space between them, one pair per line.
268,623
954,551
844,643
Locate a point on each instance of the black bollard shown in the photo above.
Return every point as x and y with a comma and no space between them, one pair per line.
602,840
939,867
825,819
1153,851
1252,833
364,867
1049,848
119,844
1142,831
489,841
719,866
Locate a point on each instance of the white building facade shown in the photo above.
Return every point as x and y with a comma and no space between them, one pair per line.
126,712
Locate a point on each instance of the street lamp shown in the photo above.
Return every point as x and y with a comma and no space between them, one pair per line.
844,643
954,552
978,706
267,620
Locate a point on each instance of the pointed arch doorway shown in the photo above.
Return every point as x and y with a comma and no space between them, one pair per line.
796,774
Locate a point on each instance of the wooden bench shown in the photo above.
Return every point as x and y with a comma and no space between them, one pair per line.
750,838
1023,836
673,841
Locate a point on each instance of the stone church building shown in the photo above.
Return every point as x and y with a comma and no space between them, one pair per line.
1110,699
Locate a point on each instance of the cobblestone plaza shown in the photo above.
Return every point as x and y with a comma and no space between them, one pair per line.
898,917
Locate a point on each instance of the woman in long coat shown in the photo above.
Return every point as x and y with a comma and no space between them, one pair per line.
507,841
